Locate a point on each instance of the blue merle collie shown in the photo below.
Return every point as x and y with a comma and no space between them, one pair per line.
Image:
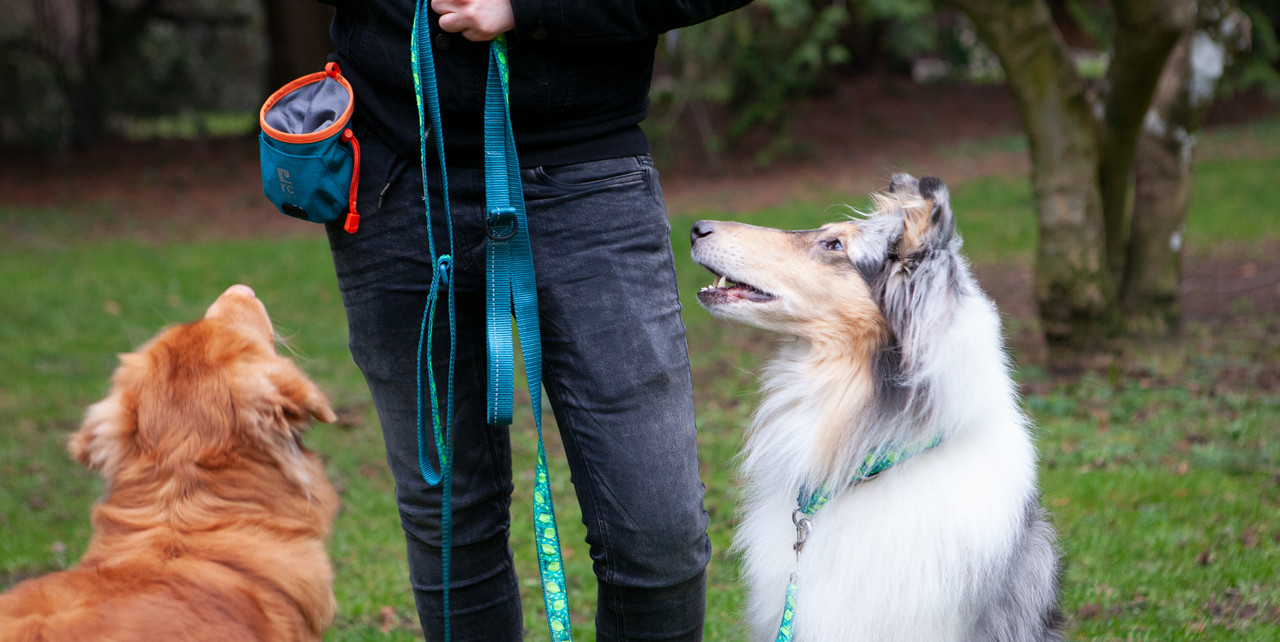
890,478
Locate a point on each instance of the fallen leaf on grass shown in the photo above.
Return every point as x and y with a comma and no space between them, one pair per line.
389,619
1102,416
1249,538
1089,611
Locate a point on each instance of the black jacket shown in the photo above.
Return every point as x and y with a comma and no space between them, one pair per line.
580,73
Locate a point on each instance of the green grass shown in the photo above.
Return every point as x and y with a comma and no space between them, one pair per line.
185,125
1162,478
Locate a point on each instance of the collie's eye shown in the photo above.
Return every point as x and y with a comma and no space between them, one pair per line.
833,244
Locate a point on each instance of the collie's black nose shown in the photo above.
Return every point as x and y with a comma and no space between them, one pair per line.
701,229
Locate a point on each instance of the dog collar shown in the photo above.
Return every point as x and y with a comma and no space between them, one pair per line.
809,502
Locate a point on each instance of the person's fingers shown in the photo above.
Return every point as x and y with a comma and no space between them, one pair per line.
477,20
453,22
445,6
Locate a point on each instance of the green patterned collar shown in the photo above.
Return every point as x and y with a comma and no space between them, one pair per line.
810,502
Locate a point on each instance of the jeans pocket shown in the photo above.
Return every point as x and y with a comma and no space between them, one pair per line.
593,175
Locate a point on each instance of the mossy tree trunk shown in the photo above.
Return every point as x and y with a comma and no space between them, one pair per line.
1163,169
1083,146
1145,35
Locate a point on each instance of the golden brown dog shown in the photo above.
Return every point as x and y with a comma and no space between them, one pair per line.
214,519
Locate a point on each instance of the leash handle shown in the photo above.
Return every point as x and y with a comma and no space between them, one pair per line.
507,231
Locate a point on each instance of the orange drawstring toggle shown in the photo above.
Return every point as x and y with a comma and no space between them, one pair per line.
353,219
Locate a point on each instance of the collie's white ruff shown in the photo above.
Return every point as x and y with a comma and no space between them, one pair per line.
949,544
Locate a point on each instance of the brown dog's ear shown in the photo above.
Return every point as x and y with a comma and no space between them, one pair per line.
106,440
282,412
299,398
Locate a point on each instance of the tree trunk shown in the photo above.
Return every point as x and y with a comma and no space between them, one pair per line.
65,35
1163,169
1145,34
299,34
1074,288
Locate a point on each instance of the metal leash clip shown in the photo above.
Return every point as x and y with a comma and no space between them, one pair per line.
803,528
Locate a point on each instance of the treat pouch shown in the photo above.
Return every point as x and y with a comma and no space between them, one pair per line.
310,158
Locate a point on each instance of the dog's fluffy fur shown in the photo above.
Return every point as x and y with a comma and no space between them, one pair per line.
214,519
890,344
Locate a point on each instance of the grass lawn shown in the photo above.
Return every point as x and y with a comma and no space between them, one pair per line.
1163,478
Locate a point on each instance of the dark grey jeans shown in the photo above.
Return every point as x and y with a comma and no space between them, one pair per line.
616,372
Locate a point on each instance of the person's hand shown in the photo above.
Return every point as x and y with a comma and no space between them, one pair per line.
476,20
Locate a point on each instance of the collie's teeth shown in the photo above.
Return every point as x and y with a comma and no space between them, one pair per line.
722,282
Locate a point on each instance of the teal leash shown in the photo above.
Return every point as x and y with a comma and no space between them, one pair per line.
511,288
809,502
428,101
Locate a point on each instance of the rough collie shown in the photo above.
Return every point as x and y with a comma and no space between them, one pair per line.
890,479
214,519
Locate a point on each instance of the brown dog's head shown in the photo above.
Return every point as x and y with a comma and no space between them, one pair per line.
205,393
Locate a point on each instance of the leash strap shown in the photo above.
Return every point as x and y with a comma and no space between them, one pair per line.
788,613
428,100
809,502
511,288
507,244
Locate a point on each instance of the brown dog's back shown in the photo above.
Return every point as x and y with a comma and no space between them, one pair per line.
214,522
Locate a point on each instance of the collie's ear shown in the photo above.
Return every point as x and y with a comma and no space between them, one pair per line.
904,185
927,222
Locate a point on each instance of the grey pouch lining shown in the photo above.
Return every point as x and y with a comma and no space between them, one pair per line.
310,108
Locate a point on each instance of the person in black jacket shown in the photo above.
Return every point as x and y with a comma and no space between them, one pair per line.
615,362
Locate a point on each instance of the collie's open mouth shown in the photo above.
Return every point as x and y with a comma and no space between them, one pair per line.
725,291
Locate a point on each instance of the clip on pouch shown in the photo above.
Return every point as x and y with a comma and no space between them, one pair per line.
310,159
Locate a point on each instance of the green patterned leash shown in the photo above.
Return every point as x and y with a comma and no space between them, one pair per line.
809,502
511,288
